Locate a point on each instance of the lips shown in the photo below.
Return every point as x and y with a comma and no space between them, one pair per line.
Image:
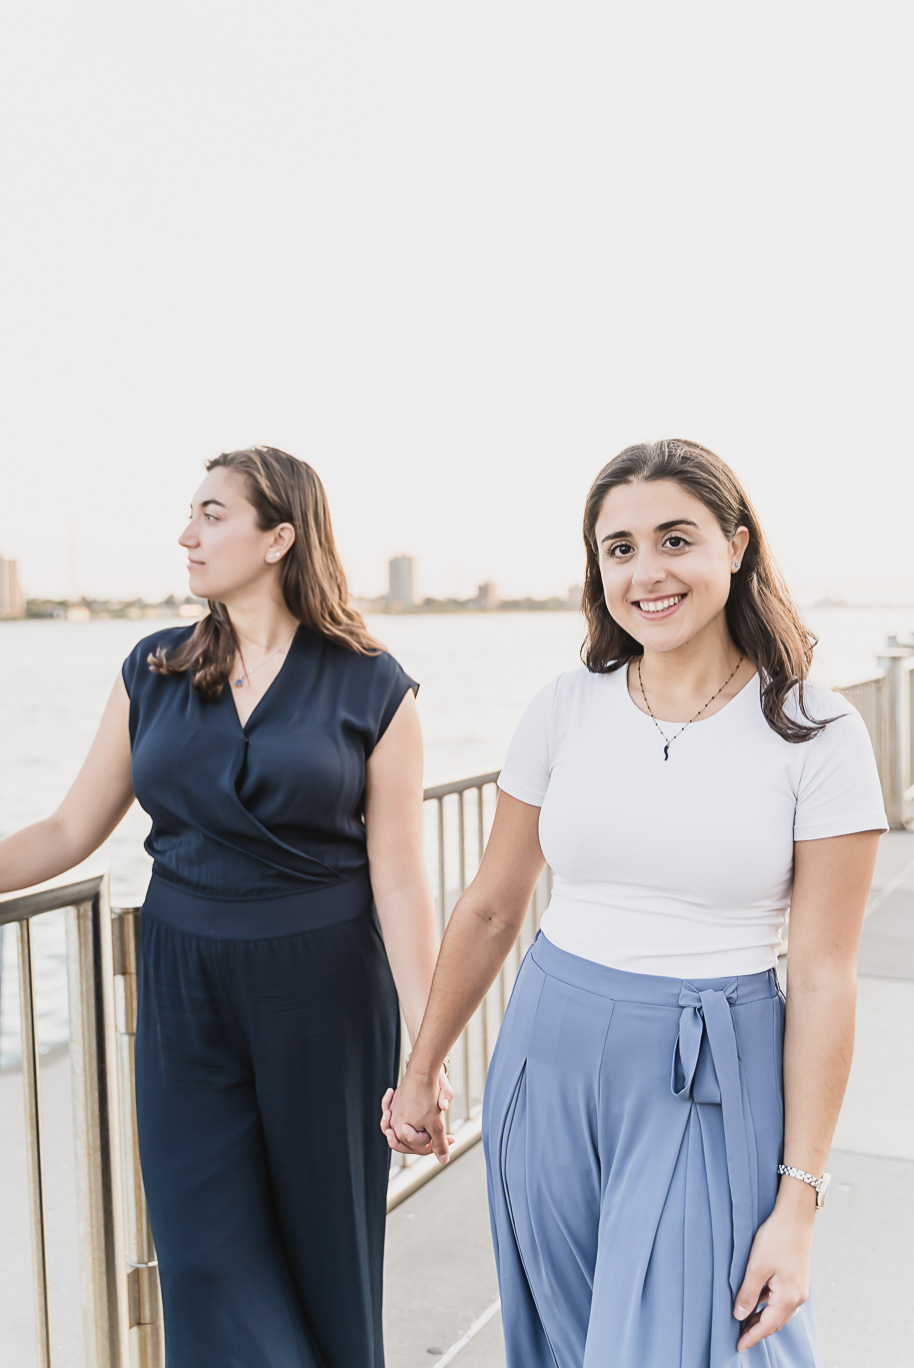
658,607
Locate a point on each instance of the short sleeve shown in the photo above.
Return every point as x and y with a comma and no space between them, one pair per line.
133,664
527,767
135,669
839,790
393,686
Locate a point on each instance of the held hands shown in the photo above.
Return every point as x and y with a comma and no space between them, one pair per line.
412,1117
777,1273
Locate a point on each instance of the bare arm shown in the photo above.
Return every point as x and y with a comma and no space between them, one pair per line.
100,795
399,881
483,927
831,883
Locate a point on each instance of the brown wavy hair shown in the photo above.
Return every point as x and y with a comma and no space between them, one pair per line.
761,616
281,489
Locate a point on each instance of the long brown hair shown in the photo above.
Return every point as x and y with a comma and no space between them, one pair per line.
281,489
761,617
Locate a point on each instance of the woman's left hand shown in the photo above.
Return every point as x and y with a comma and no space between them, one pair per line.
777,1272
445,1098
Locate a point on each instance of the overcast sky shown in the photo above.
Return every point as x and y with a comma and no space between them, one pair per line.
456,256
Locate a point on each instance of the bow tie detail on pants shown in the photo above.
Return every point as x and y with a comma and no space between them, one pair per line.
706,1071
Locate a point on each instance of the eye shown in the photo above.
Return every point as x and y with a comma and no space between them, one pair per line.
676,541
618,549
210,517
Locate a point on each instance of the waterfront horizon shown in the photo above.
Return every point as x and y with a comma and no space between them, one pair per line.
477,673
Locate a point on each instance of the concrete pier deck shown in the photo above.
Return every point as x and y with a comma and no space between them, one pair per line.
441,1295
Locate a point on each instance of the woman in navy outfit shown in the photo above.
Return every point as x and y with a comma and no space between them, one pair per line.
276,747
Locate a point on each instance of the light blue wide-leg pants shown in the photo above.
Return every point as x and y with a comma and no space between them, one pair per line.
633,1125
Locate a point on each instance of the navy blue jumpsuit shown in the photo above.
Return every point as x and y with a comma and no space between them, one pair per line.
268,1024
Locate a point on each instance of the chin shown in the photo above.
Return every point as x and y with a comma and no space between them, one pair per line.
198,586
659,640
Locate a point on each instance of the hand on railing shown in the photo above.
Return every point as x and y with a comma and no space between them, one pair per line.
425,1102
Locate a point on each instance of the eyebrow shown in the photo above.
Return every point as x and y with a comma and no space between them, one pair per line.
206,503
661,527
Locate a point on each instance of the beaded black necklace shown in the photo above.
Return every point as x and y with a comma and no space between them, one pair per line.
668,740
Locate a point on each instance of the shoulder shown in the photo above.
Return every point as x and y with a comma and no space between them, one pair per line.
819,704
382,664
135,667
566,698
168,637
575,688
378,671
368,688
838,790
842,746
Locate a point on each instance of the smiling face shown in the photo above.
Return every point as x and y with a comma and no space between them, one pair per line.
227,553
665,563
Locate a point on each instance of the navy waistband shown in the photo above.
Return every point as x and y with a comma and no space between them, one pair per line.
259,918
655,989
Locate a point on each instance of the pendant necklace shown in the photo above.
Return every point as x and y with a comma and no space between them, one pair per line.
668,740
246,673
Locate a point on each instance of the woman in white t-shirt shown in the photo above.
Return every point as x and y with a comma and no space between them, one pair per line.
655,1141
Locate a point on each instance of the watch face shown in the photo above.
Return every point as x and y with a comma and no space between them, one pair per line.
823,1191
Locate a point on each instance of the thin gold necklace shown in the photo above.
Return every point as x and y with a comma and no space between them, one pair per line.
246,673
668,740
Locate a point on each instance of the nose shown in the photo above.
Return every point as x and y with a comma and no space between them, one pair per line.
648,571
189,537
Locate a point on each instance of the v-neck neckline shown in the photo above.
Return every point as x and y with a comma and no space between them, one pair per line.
267,691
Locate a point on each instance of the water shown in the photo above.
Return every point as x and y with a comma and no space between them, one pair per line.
477,672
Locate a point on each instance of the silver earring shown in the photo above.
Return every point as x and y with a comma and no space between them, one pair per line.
736,565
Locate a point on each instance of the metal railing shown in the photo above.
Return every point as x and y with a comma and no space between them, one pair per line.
96,1112
122,1308
458,818
144,1299
886,704
121,1300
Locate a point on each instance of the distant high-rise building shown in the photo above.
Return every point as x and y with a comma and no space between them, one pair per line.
12,599
401,572
488,595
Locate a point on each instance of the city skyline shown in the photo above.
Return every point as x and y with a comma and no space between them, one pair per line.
402,593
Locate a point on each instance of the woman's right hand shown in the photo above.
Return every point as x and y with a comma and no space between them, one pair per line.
480,932
412,1117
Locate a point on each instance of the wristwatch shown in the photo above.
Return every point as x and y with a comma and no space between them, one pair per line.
820,1184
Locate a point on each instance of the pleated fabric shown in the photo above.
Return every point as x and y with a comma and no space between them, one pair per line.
633,1125
265,1037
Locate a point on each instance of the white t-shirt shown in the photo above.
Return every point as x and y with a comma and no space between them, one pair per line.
683,866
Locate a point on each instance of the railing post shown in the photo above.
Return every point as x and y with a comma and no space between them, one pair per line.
100,1193
896,757
32,1093
908,797
146,1332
